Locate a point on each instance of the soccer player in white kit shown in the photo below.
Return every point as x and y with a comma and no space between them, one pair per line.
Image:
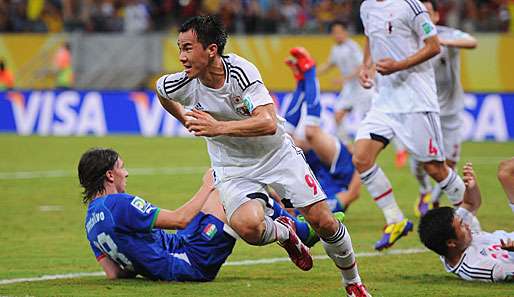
465,249
346,55
400,39
451,103
222,98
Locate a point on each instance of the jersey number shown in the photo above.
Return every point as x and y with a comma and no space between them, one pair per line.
311,183
431,149
106,245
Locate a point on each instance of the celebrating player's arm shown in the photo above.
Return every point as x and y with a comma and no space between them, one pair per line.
263,121
506,178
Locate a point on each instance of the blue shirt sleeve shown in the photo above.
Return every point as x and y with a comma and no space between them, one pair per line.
133,213
98,253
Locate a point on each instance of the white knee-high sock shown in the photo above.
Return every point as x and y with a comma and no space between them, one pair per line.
425,185
273,231
436,193
380,189
339,248
454,187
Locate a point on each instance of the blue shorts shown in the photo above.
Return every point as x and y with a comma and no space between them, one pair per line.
206,246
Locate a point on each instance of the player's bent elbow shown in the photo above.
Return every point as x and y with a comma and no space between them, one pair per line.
271,128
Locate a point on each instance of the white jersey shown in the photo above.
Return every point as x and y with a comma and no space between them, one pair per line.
347,56
447,73
242,92
396,29
483,260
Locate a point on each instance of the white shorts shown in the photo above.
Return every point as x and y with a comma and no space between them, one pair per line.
285,171
420,132
354,98
452,136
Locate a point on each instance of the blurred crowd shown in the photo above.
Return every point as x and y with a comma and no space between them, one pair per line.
239,16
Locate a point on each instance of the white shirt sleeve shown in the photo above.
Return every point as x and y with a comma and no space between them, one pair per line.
256,95
420,20
173,87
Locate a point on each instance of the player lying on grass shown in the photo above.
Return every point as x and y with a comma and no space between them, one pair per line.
126,232
456,236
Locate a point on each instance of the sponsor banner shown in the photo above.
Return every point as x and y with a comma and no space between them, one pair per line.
119,112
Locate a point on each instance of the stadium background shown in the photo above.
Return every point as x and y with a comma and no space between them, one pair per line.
115,69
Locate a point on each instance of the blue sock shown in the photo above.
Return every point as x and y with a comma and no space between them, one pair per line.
294,109
312,94
302,228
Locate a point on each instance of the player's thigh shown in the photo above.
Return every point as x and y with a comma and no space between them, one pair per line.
420,132
452,137
374,133
236,192
293,179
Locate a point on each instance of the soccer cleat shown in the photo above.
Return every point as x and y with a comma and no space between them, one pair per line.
291,63
313,238
303,58
423,204
392,233
401,158
357,290
297,251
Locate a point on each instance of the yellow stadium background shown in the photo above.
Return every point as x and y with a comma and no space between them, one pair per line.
486,69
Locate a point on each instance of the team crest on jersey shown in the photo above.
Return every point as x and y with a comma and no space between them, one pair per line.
243,106
141,205
209,231
427,28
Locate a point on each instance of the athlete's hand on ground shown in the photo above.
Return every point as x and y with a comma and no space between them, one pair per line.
469,177
200,123
508,246
365,77
388,66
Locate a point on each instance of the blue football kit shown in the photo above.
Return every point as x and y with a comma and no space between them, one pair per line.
333,180
121,226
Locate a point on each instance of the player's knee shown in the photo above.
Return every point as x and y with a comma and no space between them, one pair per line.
324,224
311,132
250,232
362,161
437,170
506,170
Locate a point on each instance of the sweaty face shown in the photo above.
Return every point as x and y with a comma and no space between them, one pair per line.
339,33
120,175
193,56
462,231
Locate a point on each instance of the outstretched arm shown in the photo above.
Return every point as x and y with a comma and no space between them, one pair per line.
472,197
467,42
506,177
182,216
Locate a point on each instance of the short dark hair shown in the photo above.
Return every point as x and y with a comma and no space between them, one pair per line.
92,167
209,30
433,2
338,23
436,228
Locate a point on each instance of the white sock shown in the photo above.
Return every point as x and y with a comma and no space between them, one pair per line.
273,231
436,193
339,248
511,206
454,187
425,185
380,189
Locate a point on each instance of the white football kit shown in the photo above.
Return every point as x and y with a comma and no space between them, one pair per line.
244,165
449,91
347,56
406,106
484,260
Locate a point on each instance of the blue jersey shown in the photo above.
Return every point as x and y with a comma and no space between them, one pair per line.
121,226
332,180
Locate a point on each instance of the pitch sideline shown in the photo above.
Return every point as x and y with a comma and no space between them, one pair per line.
229,263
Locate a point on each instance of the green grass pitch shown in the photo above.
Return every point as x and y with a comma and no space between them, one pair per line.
42,228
